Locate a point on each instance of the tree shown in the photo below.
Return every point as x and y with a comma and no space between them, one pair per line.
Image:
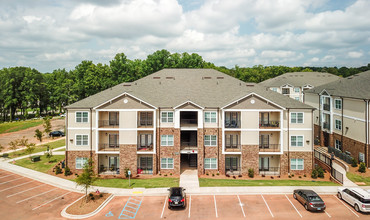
13,145
30,148
38,135
49,153
88,177
47,125
1,148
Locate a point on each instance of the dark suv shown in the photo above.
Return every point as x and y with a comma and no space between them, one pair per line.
56,134
176,197
309,199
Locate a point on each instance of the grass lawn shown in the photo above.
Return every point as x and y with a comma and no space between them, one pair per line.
8,127
39,148
357,178
42,166
206,182
161,182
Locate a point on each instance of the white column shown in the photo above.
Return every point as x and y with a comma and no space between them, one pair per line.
177,118
200,118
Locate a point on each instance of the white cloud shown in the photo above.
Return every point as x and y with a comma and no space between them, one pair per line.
355,54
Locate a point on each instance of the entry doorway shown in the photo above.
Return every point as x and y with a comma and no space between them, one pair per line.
188,162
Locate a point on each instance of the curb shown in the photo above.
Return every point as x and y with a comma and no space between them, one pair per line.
96,211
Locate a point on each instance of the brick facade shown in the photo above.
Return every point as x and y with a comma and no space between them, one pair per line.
249,158
308,162
71,161
128,158
200,151
169,151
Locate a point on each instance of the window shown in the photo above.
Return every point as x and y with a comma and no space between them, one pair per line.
338,124
231,164
285,91
82,117
338,145
296,117
210,163
274,89
166,163
80,162
338,104
167,117
296,141
210,117
146,140
82,140
210,140
296,164
296,89
166,140
146,119
361,157
296,98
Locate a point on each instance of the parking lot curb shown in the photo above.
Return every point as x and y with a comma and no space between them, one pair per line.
96,211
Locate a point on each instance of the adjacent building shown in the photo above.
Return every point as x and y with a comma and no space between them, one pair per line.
341,117
293,84
200,119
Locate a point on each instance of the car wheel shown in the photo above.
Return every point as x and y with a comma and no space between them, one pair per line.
339,196
306,207
357,208
169,207
294,196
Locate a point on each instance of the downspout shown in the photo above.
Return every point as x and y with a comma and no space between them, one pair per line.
159,140
91,133
342,119
313,139
66,136
219,136
288,142
320,120
366,130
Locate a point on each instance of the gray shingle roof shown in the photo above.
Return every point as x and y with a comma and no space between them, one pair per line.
300,79
355,86
171,87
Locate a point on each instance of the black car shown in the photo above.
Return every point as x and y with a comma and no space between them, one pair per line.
309,199
56,134
176,197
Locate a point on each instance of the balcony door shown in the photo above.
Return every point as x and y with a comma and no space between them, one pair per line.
145,165
146,140
113,118
264,140
113,140
113,163
265,117
264,163
231,163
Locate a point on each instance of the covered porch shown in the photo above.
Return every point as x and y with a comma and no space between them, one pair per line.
109,164
269,165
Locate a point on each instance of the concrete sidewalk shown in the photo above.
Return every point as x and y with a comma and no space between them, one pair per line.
189,179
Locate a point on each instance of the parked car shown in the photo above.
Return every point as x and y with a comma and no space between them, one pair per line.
356,197
56,134
309,199
176,197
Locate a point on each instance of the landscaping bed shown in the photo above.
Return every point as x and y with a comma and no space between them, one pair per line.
208,182
81,207
155,182
362,179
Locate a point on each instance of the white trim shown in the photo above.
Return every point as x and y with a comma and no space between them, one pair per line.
252,94
341,104
125,129
335,124
324,90
270,153
126,110
187,102
296,163
78,128
296,118
232,153
286,85
350,117
82,117
97,131
290,140
298,129
252,110
128,94
173,163
204,119
82,145
210,140
210,165
145,152
107,152
189,128
173,116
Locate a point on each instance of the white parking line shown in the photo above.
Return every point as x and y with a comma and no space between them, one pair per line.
25,190
267,205
214,198
164,205
327,213
7,176
36,195
16,186
189,206
241,205
347,206
50,201
293,206
11,180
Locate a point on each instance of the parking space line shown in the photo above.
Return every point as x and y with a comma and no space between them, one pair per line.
11,180
189,206
16,186
214,198
25,190
7,176
241,205
267,205
347,206
35,196
164,205
327,213
50,201
293,206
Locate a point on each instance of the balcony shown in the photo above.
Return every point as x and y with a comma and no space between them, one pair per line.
189,119
326,107
269,147
144,147
232,124
232,119
271,171
145,120
103,170
188,140
108,124
108,147
269,124
188,145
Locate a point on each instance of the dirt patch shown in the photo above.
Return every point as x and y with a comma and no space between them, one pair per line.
355,171
82,207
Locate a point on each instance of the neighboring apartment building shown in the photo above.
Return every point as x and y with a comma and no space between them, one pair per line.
342,116
190,118
293,84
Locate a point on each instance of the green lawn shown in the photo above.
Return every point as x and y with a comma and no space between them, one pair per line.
161,182
357,178
39,148
8,127
207,182
42,166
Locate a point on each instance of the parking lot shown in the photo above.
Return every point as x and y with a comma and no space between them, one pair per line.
24,198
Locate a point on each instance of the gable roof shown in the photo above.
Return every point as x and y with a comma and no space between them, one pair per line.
169,88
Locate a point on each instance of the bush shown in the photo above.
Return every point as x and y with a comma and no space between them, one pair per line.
362,168
354,162
218,174
58,170
126,172
170,174
165,174
292,175
213,174
91,195
320,172
300,177
100,195
304,175
92,198
251,172
207,174
240,175
227,175
5,155
314,174
67,171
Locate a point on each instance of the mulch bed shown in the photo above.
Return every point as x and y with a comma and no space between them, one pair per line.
82,207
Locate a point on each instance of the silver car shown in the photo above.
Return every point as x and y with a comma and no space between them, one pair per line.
356,197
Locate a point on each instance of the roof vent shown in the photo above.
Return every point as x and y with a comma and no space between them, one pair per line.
156,77
250,85
207,77
170,77
126,84
220,77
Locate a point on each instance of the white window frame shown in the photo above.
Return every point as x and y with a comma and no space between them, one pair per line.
82,117
295,89
296,118
296,142
340,124
335,104
297,98
165,165
209,141
81,162
167,118
210,117
294,165
274,89
210,162
338,144
82,140
165,140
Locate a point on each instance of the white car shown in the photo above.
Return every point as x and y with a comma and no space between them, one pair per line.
357,197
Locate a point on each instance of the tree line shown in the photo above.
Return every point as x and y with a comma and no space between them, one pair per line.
25,89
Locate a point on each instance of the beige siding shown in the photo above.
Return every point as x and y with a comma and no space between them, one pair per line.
249,120
356,129
128,137
128,119
72,136
165,124
252,102
313,100
71,117
307,119
307,136
211,125
354,108
120,103
249,138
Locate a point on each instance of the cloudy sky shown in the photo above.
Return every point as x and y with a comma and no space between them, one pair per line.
52,34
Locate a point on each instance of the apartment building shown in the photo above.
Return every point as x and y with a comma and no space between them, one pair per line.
178,119
341,118
293,84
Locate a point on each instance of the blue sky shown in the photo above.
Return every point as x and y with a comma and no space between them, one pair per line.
52,34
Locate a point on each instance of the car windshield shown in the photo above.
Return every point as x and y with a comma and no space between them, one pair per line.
314,199
176,192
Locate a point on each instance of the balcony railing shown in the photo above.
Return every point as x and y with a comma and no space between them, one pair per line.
189,121
326,125
188,145
232,146
272,171
233,170
108,170
326,107
144,147
269,147
273,124
109,147
145,122
144,170
108,123
232,123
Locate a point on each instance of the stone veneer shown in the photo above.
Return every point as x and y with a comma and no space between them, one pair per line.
128,158
71,161
250,158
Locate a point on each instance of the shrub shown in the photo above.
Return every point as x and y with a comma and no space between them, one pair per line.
217,174
165,174
354,162
300,177
58,170
160,174
304,175
92,198
272,177
170,174
263,175
91,195
126,172
227,175
314,174
362,168
100,195
67,171
234,177
292,175
207,174
320,172
240,175
5,155
251,172
213,174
